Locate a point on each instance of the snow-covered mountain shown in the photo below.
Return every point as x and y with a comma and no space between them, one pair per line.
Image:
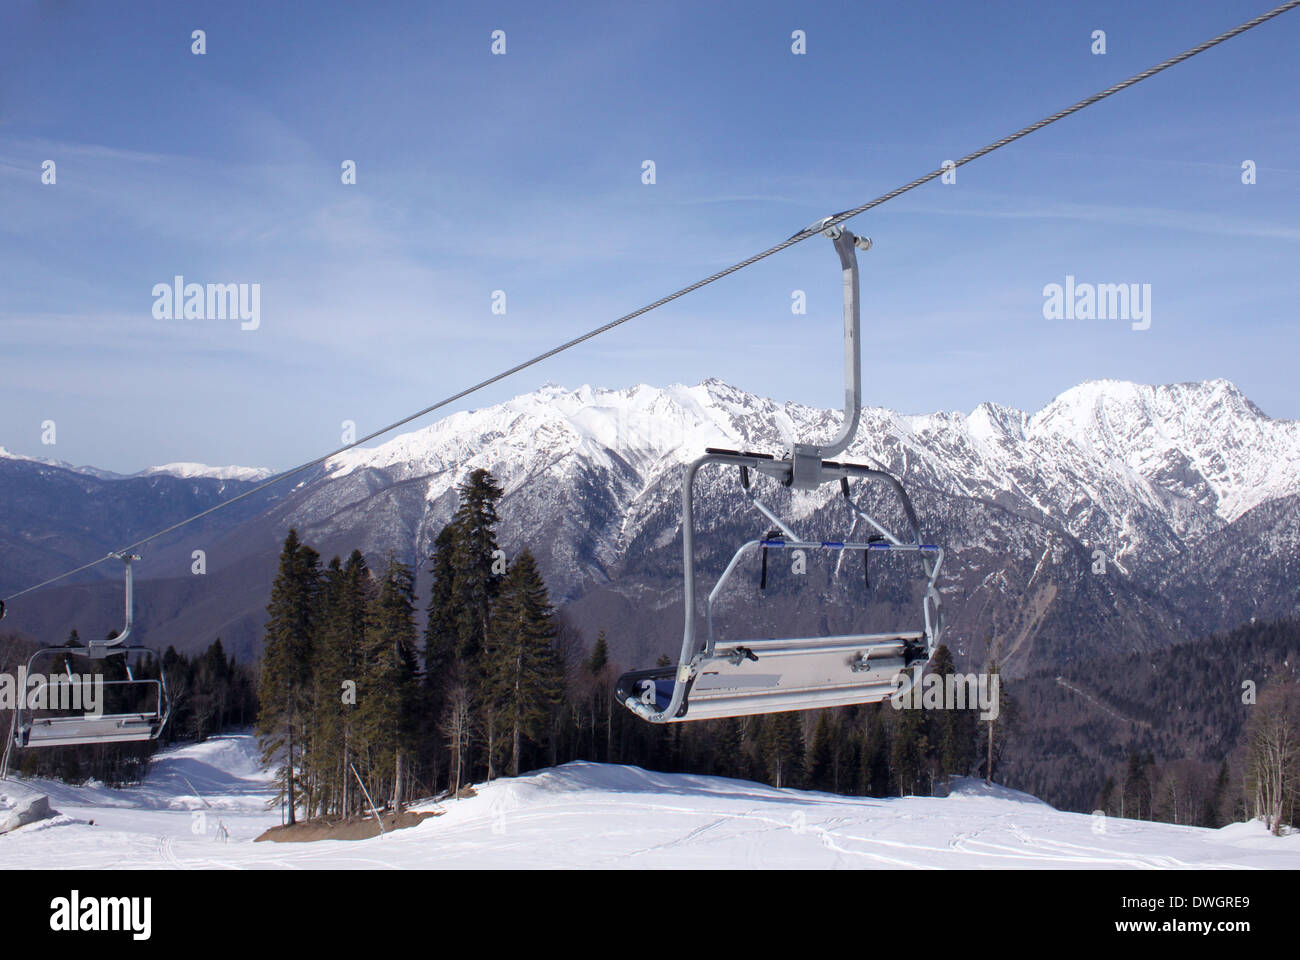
184,471
1128,468
1154,480
61,464
1145,475
187,471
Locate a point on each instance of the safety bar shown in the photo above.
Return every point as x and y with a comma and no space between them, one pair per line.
931,572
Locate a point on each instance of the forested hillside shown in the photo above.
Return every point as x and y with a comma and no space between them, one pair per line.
1168,723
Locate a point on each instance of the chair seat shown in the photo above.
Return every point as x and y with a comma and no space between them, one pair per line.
788,674
113,728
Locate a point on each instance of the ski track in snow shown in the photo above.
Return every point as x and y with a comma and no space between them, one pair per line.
589,815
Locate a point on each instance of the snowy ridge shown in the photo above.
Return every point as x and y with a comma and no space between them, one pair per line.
188,471
598,816
644,424
183,471
1124,465
1140,471
62,465
1160,434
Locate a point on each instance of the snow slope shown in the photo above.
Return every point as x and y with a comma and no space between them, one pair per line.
590,815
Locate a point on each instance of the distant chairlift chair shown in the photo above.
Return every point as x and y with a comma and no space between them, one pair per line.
734,678
30,730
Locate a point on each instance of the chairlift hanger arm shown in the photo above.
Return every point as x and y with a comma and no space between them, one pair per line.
847,245
103,648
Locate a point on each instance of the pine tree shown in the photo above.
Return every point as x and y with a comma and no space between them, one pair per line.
954,734
347,594
387,705
1106,798
440,643
848,759
908,748
440,632
319,758
1136,796
821,753
600,696
782,744
475,562
875,754
283,692
214,675
599,655
524,676
476,572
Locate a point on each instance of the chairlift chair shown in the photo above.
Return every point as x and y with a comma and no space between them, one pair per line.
128,726
735,678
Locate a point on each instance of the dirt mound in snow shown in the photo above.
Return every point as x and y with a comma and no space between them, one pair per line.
357,829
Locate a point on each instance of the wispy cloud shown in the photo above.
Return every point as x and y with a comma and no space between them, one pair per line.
1004,207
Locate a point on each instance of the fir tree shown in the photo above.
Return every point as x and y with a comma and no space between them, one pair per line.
475,562
782,742
908,748
440,644
476,572
821,753
286,658
1136,796
875,754
955,730
600,697
1106,798
525,677
440,632
389,694
337,666
599,655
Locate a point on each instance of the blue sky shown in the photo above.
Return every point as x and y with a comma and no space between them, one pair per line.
523,173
